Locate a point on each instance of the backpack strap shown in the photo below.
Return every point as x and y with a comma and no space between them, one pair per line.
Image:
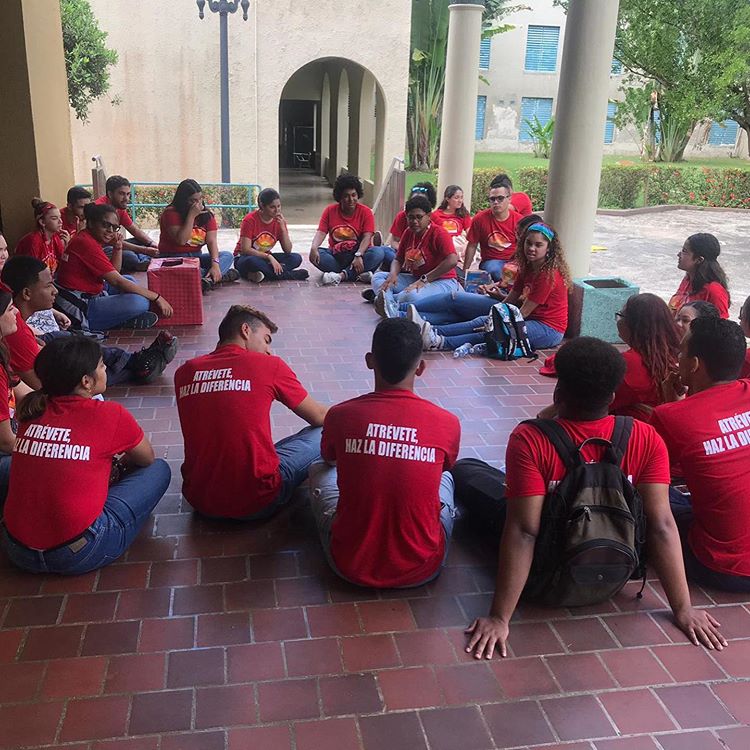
621,436
561,441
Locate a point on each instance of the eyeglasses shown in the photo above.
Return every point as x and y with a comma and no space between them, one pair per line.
110,226
499,198
619,316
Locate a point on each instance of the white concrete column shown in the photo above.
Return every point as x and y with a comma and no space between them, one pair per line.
460,98
325,125
380,131
366,123
580,117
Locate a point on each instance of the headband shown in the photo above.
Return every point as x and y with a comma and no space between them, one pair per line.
41,208
543,229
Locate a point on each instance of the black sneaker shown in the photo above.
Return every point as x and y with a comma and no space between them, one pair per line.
231,275
368,295
299,274
147,364
206,284
166,343
144,320
377,239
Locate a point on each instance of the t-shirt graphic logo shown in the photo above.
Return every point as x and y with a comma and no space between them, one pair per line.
344,238
498,240
413,259
452,226
264,242
197,237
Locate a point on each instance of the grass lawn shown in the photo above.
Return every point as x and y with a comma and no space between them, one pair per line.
510,163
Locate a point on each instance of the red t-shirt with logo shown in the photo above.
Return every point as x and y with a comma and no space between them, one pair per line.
550,295
61,466
7,397
71,223
712,292
521,203
637,388
420,254
262,235
35,244
83,265
708,434
399,225
22,347
454,225
345,232
496,239
224,402
390,448
532,463
170,217
122,214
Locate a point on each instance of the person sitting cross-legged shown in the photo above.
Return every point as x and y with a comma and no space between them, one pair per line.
224,399
708,436
589,372
260,231
349,224
383,501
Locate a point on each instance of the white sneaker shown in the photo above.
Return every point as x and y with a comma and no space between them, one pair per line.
386,305
431,341
365,277
330,278
256,276
413,315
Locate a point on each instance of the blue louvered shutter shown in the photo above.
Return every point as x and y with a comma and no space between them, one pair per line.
616,67
481,110
484,54
723,133
541,48
609,128
530,107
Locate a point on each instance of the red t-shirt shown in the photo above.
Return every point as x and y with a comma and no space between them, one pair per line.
636,388
71,223
61,466
712,292
122,214
36,245
521,203
170,217
22,347
345,232
224,402
708,434
419,254
83,265
550,295
533,464
263,235
496,239
7,398
454,225
390,449
745,372
399,225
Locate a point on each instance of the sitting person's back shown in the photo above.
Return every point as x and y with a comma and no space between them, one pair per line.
388,519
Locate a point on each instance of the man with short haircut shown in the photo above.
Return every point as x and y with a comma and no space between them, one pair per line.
385,512
708,435
232,469
137,251
72,214
589,372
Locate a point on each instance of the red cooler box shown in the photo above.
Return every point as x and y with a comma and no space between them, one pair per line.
178,280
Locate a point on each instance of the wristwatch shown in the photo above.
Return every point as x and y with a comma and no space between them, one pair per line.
423,278
358,254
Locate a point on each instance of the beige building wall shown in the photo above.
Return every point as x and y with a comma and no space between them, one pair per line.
166,125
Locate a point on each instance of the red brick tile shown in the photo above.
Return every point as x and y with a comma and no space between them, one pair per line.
140,603
257,661
20,681
74,678
415,687
249,595
111,638
329,733
369,652
194,600
288,699
232,705
735,660
260,738
524,678
52,643
627,743
10,640
42,610
437,612
451,728
223,569
123,576
167,711
333,619
350,694
513,724
694,706
577,718
29,724
135,673
17,583
174,573
69,584
688,663
635,630
95,718
690,741
468,683
425,647
735,621
636,712
313,657
277,565
197,667
147,548
223,630
586,634
90,607
735,738
193,741
386,616
399,731
736,697
533,639
633,667
167,634
136,743
579,672
279,624
292,592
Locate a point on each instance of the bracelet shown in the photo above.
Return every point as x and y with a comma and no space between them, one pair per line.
214,260
157,298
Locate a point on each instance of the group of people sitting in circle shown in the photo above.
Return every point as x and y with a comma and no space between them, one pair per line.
385,482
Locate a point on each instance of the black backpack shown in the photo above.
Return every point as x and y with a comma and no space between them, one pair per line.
592,534
506,337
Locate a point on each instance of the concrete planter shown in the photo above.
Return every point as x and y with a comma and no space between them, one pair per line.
593,304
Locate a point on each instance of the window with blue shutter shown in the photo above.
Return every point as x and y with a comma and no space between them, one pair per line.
484,54
531,107
541,48
609,128
723,133
481,110
616,67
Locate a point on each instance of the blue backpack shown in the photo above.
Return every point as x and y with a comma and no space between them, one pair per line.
505,334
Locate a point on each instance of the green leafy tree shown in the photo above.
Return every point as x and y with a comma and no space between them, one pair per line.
87,57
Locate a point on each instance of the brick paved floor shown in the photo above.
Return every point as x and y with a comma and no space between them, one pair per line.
209,636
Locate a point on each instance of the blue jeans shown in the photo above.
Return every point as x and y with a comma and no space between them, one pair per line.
495,268
541,336
129,504
4,478
452,307
329,261
226,259
115,307
324,499
130,258
388,255
439,286
247,264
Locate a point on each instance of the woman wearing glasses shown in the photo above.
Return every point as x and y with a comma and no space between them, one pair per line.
92,291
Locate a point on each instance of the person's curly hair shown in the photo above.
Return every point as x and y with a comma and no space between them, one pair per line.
347,182
553,261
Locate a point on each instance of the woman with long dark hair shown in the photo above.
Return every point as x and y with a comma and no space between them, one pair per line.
453,216
187,226
68,509
704,277
692,310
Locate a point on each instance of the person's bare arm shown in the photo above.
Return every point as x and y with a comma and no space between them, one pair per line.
315,246
30,379
7,437
392,241
116,258
284,238
471,248
440,270
312,411
213,250
142,454
527,307
139,234
181,234
127,286
392,277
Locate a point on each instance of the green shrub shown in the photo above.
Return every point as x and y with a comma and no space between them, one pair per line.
622,186
533,181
